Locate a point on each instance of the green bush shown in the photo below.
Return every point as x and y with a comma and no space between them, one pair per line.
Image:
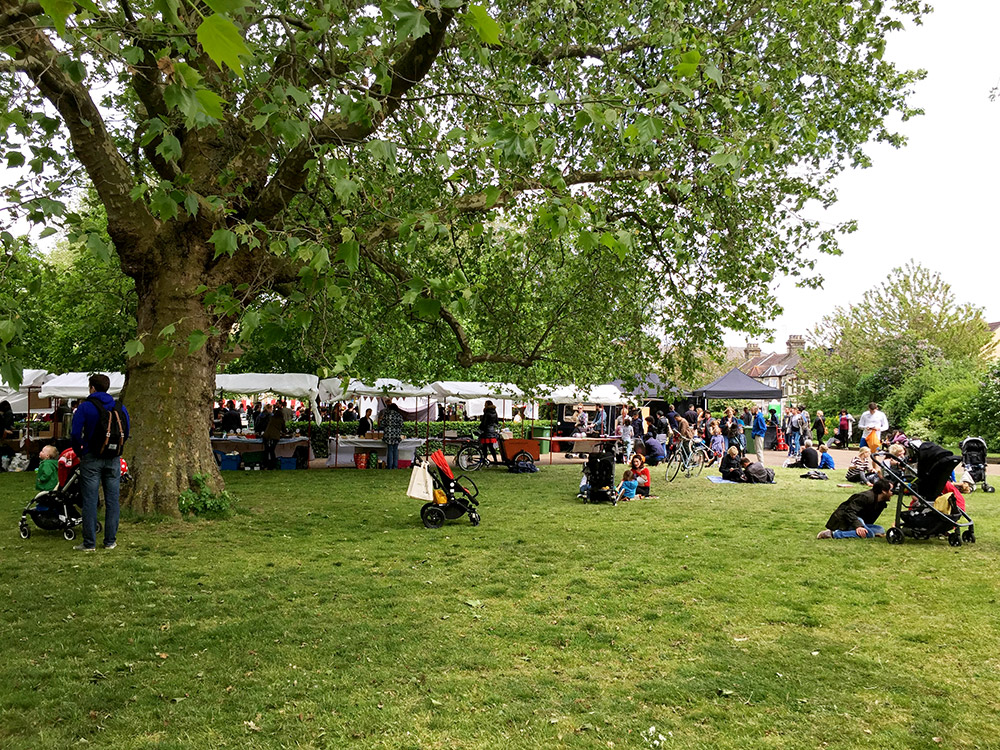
199,500
946,413
320,434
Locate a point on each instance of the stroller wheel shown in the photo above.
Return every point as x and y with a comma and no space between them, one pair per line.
432,516
989,488
99,527
969,536
955,540
69,535
894,536
24,531
474,518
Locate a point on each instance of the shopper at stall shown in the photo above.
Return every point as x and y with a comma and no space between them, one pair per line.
365,424
392,434
271,435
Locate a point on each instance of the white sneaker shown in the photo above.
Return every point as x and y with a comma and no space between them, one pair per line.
81,548
111,546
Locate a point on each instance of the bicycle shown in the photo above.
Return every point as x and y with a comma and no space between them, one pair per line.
475,455
691,455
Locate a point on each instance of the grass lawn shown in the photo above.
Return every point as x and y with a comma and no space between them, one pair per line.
325,615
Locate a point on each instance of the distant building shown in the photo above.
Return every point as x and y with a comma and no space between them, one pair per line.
992,349
776,369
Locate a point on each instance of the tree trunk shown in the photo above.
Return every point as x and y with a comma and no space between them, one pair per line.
169,399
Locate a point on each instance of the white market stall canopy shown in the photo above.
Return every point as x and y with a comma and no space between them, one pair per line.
464,390
604,395
332,389
291,384
18,399
76,385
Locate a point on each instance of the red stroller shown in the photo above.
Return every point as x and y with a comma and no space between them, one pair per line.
451,498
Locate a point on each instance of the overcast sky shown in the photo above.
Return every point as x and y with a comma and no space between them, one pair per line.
936,200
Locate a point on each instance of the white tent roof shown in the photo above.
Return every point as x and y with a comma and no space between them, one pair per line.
75,385
291,384
332,389
598,394
18,401
462,390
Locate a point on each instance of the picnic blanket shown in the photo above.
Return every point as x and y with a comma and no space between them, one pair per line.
720,480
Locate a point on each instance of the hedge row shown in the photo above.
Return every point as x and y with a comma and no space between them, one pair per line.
322,433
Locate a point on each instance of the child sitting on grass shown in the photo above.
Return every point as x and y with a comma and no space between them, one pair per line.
825,459
627,488
47,473
861,469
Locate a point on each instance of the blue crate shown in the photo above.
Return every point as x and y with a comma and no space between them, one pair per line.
229,463
287,462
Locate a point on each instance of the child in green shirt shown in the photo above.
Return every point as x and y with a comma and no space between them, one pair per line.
47,473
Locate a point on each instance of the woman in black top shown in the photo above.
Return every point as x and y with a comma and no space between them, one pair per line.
488,429
730,466
365,424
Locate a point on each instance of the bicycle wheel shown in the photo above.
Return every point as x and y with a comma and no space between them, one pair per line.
469,458
700,459
674,466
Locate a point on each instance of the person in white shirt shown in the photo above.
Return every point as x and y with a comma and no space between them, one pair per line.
872,422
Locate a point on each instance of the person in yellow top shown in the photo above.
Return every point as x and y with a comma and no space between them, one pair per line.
47,473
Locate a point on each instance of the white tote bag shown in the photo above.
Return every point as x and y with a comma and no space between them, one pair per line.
421,485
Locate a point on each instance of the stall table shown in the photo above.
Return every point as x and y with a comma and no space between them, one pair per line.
286,446
342,452
581,445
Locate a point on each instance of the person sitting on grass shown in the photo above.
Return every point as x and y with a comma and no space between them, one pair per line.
861,469
584,484
47,473
642,476
809,456
855,517
730,466
825,459
628,486
655,452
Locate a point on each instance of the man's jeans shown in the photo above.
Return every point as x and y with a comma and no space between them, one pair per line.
852,534
392,455
793,445
95,473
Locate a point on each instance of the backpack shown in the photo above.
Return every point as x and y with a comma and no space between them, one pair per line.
844,423
108,439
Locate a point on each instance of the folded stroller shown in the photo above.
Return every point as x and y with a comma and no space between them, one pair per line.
974,457
601,474
917,488
452,499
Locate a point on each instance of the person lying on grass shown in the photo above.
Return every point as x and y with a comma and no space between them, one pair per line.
627,488
754,472
855,517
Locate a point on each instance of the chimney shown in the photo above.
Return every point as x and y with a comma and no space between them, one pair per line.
795,343
752,350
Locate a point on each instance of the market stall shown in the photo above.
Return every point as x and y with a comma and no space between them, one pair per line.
342,451
290,384
251,448
77,385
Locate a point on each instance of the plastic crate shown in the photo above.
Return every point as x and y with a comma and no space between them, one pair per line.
287,462
253,458
229,463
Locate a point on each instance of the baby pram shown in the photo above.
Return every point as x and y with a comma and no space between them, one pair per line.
451,498
60,508
601,477
917,488
974,457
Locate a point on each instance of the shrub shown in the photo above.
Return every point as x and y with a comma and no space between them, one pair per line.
199,500
946,413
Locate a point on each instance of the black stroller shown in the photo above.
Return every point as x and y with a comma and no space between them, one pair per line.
56,510
921,486
452,499
974,457
601,477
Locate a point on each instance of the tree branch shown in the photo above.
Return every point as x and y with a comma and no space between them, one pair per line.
130,224
408,71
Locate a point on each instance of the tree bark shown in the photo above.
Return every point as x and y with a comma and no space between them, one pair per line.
170,398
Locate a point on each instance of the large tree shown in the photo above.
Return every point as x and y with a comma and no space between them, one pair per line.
256,151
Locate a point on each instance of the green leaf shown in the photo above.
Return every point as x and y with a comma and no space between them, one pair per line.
349,253
224,241
483,23
100,248
226,6
8,329
163,205
345,189
168,331
168,11
163,351
196,340
410,21
14,159
427,308
170,148
59,11
134,348
223,42
492,194
713,73
191,204
47,232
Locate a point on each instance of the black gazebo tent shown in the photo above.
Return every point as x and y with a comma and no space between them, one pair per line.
735,384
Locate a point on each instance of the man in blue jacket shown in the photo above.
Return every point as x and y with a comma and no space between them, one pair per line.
757,430
97,471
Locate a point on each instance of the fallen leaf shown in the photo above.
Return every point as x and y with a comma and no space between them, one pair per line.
162,655
474,603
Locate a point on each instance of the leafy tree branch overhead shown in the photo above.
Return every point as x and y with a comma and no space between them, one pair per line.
320,152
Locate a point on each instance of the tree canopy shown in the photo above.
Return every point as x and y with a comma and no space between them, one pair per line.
533,179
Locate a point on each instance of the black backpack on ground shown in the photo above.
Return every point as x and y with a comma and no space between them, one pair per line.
108,439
